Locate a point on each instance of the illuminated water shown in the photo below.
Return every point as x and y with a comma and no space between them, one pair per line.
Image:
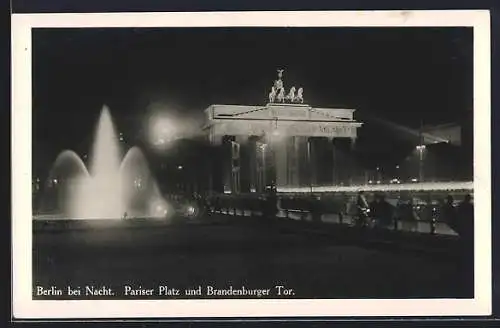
112,188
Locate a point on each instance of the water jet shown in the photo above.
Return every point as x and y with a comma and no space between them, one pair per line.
113,187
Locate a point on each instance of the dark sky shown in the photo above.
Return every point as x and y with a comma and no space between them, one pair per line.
399,74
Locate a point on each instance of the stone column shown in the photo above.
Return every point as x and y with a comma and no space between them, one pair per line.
303,160
340,161
218,162
245,164
262,156
281,161
227,165
333,147
236,164
252,163
293,167
313,165
353,168
353,143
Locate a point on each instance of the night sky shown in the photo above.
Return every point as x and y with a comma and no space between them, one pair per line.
403,75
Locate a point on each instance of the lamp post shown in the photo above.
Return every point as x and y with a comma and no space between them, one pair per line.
181,176
421,150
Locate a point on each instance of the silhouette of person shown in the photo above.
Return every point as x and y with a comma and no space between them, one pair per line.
407,215
382,211
314,208
362,209
271,206
374,209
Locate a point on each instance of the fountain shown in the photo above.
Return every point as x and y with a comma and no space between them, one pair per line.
111,189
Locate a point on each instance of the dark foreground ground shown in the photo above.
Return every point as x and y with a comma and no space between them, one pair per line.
224,252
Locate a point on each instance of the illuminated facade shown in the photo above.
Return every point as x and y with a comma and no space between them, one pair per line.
276,144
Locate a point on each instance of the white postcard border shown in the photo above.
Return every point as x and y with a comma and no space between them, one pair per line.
24,307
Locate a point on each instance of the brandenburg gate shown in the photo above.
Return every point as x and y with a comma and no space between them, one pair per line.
272,146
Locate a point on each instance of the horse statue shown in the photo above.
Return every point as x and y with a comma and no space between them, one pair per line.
291,94
272,94
300,98
281,95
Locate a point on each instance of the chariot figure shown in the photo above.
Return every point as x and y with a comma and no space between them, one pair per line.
300,98
272,95
291,95
281,95
278,84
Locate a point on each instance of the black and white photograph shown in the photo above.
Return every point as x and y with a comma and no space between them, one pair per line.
249,162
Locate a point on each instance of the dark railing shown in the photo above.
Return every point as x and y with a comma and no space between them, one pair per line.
421,216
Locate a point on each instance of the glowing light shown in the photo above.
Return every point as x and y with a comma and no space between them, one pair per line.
191,211
159,209
180,167
420,147
162,130
138,183
414,180
423,186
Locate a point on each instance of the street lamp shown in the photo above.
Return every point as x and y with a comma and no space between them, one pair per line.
397,177
421,150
